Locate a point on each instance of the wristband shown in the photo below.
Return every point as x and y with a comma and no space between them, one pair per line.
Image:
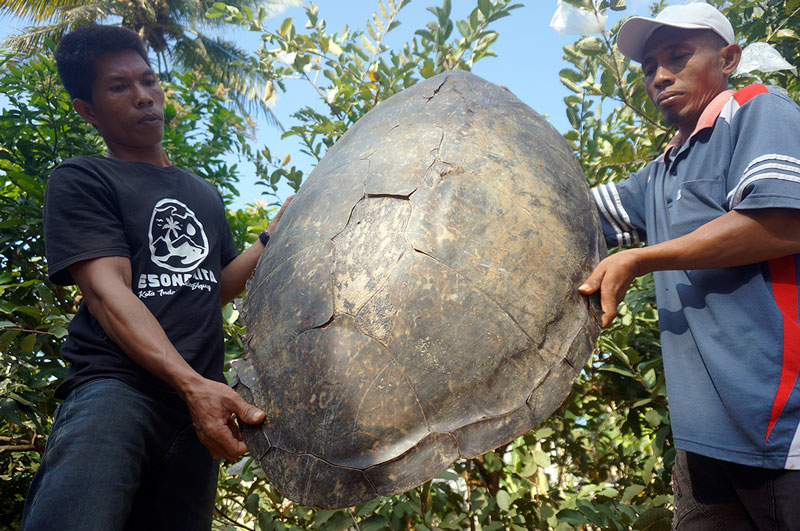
264,237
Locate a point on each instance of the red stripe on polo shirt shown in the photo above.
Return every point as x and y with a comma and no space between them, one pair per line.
783,274
749,92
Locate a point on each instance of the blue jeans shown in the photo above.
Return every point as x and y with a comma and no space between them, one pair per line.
119,459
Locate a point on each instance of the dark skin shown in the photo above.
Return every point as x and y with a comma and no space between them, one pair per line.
684,71
127,108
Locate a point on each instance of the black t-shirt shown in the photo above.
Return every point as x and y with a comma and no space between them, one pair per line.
171,224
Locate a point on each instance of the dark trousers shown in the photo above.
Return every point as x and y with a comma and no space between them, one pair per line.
718,495
119,459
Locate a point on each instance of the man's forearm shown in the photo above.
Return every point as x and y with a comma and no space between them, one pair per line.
236,273
733,239
105,283
132,327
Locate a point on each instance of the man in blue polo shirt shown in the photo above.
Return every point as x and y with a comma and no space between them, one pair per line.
720,212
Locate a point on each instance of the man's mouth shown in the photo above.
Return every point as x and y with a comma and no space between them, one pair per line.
150,119
666,99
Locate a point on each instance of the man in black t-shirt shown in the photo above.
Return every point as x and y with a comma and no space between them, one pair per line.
145,412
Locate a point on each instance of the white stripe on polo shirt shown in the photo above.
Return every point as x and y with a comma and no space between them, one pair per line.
729,110
756,171
606,214
615,213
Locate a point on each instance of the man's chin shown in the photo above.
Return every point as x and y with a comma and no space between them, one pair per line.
670,118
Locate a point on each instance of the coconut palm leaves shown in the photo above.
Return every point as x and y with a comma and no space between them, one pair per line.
175,30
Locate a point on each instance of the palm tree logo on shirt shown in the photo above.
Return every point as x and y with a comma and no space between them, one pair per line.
177,239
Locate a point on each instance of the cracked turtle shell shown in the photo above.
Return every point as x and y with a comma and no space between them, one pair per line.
417,303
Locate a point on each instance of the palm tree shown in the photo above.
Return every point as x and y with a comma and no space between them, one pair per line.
173,29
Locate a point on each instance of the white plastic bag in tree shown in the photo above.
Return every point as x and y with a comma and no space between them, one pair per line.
764,58
570,20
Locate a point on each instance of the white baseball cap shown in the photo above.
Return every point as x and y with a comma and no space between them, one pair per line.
635,32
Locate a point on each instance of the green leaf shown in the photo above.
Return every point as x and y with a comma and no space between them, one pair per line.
485,7
631,492
654,519
374,522
653,418
251,504
368,507
10,410
285,25
571,517
464,29
503,500
28,343
591,45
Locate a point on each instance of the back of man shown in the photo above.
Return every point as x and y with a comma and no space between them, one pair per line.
145,412
719,211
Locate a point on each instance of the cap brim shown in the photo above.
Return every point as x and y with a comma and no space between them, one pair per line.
636,31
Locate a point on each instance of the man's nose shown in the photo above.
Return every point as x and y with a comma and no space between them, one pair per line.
662,77
143,98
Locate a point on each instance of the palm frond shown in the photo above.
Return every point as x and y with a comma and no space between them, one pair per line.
37,10
223,62
32,40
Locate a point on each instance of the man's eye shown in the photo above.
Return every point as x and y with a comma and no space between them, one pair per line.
117,88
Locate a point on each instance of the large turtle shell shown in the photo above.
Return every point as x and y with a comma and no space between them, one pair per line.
418,300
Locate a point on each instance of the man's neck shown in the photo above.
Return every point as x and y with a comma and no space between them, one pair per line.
152,155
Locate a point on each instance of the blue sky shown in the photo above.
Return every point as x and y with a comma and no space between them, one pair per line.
529,59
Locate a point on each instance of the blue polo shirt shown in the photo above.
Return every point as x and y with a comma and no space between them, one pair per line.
730,337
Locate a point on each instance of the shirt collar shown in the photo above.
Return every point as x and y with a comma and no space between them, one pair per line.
706,120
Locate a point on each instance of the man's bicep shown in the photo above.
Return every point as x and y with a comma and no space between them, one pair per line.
781,223
101,277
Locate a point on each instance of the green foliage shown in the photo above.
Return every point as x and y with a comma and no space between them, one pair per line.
351,71
37,131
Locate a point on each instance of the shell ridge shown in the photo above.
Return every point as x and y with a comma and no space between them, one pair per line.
277,266
479,290
366,392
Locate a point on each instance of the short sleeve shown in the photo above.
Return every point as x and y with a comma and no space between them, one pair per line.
622,209
765,161
81,221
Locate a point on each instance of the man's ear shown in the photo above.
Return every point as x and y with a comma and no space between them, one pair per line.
85,110
730,55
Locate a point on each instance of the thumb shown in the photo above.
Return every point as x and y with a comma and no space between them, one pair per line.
591,284
249,413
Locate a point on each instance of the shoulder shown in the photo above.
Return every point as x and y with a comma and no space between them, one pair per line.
757,99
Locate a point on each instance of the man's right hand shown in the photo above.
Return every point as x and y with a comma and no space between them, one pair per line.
212,405
612,277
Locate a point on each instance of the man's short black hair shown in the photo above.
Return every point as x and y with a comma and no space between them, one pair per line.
78,50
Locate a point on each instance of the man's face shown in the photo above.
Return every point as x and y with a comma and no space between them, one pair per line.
127,102
684,70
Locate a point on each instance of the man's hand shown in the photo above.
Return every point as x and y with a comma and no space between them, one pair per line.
612,277
212,405
274,221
